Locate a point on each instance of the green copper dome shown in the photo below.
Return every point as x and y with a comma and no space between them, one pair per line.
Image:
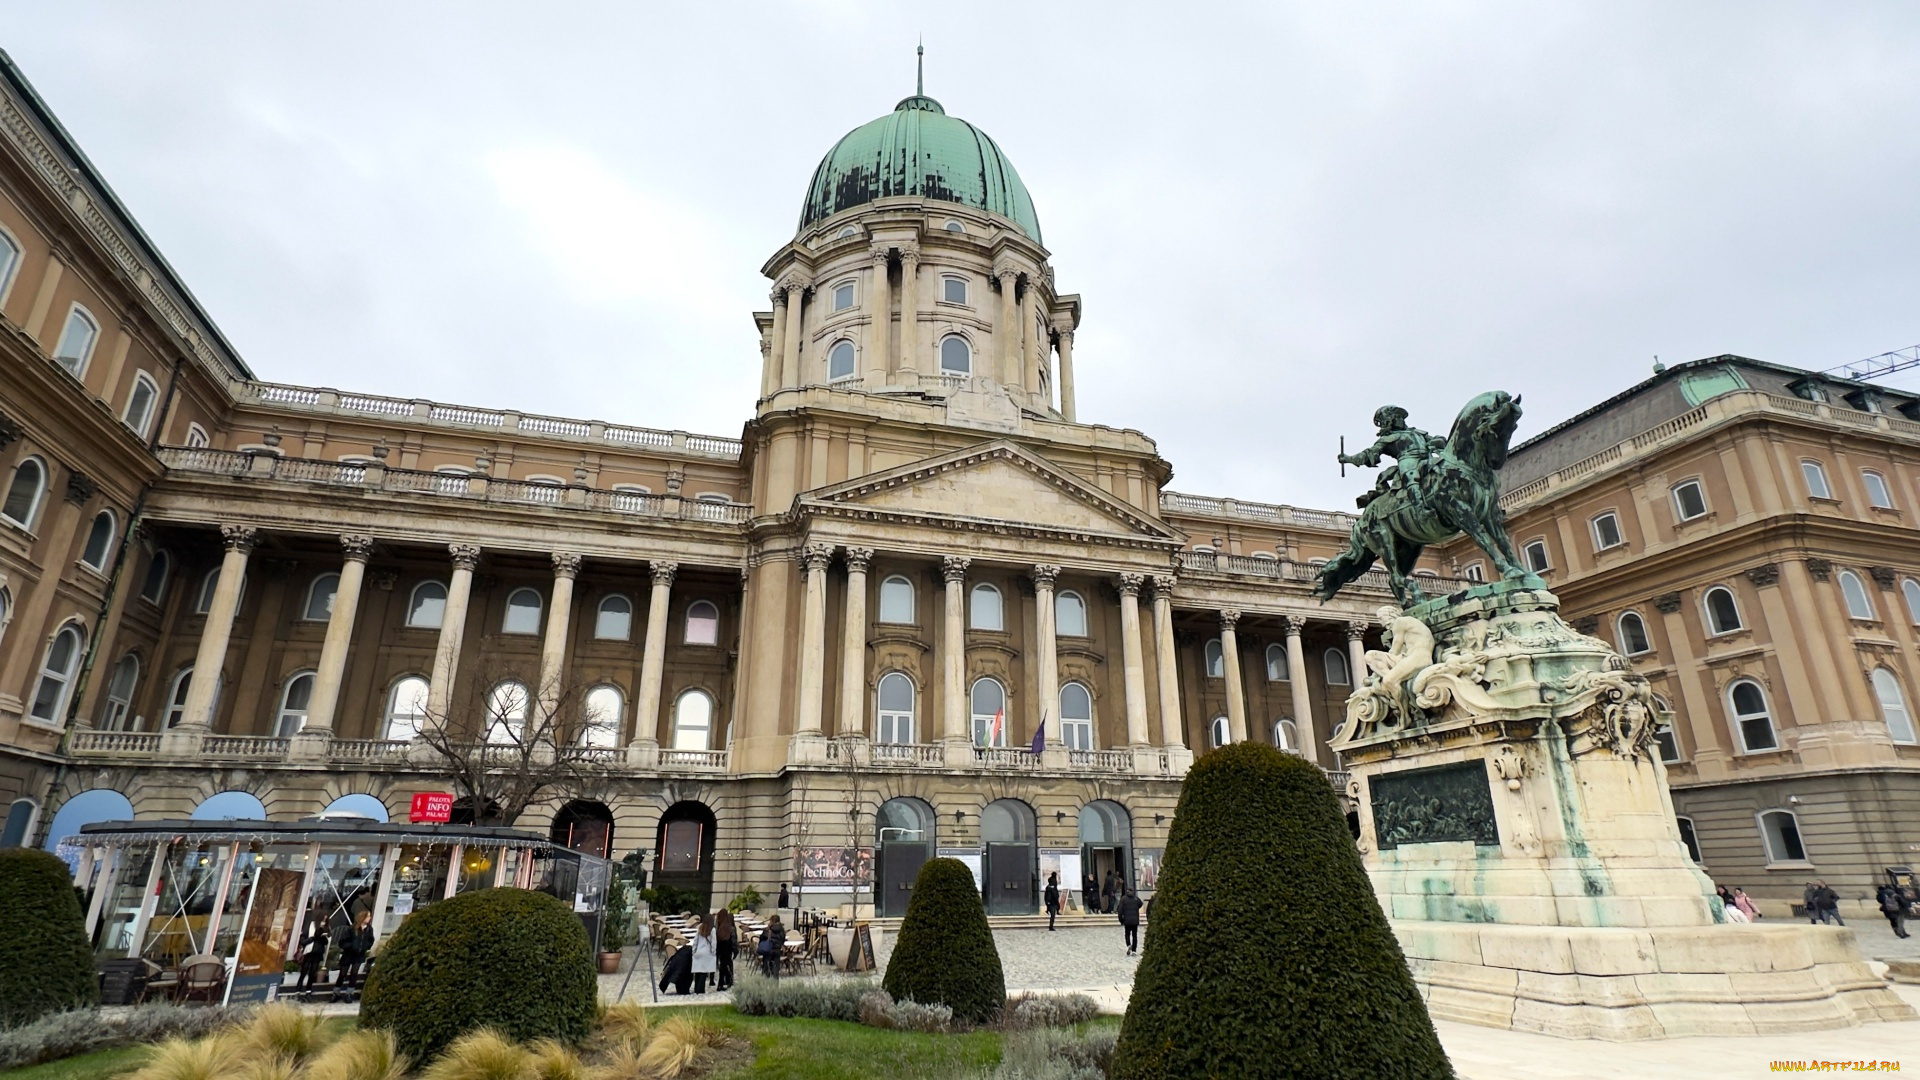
918,149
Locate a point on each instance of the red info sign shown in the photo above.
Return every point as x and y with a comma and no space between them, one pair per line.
431,806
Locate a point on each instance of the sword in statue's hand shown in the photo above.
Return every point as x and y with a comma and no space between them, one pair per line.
1343,457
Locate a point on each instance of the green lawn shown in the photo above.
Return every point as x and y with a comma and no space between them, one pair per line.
785,1049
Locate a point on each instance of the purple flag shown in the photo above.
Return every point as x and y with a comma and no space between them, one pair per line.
1040,736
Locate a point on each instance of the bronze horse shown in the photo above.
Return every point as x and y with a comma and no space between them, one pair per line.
1457,492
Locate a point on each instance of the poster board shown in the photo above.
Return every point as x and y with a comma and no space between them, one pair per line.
272,918
1146,868
860,957
969,856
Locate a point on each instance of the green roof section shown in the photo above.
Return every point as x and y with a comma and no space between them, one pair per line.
918,149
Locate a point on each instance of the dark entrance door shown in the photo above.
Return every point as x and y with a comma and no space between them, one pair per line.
1009,879
899,864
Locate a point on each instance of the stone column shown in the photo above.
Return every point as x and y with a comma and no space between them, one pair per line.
1356,655
653,655
1172,730
212,655
333,653
1134,659
1045,642
1303,722
1066,376
813,638
875,365
553,647
853,646
1006,333
1029,352
1230,659
775,361
953,661
453,630
909,359
795,326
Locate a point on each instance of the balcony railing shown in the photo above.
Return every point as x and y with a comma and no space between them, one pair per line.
244,746
1173,502
116,743
694,760
1103,760
1000,757
909,753
374,477
371,751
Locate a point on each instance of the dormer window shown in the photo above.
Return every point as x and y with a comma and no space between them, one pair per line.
847,231
953,290
843,296
1867,400
1811,389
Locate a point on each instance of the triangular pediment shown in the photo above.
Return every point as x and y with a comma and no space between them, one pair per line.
997,484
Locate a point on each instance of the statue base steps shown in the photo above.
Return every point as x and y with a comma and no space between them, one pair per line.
1627,984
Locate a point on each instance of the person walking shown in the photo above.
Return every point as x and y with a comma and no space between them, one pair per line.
355,944
313,956
1090,893
706,955
1053,897
726,939
1130,920
1108,894
1828,902
1809,902
773,941
1745,903
1894,906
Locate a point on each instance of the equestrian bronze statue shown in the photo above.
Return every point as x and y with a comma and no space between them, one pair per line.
1436,490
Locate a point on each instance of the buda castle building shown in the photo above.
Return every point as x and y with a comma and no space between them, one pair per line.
917,605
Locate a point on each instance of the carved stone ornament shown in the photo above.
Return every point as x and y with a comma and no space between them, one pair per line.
816,557
1130,586
465,556
1819,569
1229,618
356,548
1356,631
566,564
1764,574
1044,575
9,430
954,567
663,572
1668,603
1511,767
240,538
1295,624
80,487
1163,586
858,558
1883,576
385,580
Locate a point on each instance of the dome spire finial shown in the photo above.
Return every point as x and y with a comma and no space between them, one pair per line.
920,69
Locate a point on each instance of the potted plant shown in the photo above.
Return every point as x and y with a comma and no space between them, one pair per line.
613,926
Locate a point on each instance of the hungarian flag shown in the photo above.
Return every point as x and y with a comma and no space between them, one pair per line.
997,733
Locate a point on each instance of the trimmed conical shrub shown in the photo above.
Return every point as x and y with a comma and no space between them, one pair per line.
515,961
1266,953
46,964
945,953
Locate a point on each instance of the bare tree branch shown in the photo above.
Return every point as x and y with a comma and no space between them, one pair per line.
505,748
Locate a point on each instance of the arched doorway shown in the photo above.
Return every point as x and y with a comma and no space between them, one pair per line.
683,851
903,842
584,825
1106,842
1012,859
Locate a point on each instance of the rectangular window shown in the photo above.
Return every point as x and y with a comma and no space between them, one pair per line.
843,296
1877,492
1475,572
680,846
1606,531
953,290
1668,743
1688,838
1689,501
1536,553
1816,477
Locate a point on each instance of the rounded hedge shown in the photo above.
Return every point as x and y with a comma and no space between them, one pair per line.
1267,954
508,959
945,953
46,962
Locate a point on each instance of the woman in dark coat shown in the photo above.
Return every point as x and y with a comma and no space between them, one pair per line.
355,945
313,954
728,940
772,942
1130,920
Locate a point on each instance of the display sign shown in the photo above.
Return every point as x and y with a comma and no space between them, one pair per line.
434,806
835,865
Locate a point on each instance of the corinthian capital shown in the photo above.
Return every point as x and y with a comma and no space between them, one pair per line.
816,557
1295,624
1044,575
1229,618
1356,631
1130,586
566,564
858,558
1163,585
356,548
909,252
663,572
240,538
465,556
954,567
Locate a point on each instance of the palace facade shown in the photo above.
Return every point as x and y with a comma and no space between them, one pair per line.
917,605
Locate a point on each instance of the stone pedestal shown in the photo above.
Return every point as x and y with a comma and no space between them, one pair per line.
1518,831
807,748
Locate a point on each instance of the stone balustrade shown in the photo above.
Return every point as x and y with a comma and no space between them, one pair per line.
1173,502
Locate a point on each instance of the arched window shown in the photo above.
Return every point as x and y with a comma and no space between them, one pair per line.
1474,571
1689,500
293,704
1663,733
1859,604
1076,716
953,226
24,492
21,812
154,588
953,289
989,700
210,584
177,697
320,597
1878,493
1606,531
56,676
1911,590
197,437
140,404
76,341
406,707
1688,837
984,612
956,356
1748,703
614,620
508,704
1723,615
840,360
693,721
6,611
895,712
703,623
1633,634
9,263
1276,663
1216,660
1815,474
120,688
600,718
99,541
1286,735
1336,664
1069,615
1893,705
1219,733
523,612
427,606
1781,830
1536,555
896,600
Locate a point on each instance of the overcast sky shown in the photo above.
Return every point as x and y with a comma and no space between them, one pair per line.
1278,215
